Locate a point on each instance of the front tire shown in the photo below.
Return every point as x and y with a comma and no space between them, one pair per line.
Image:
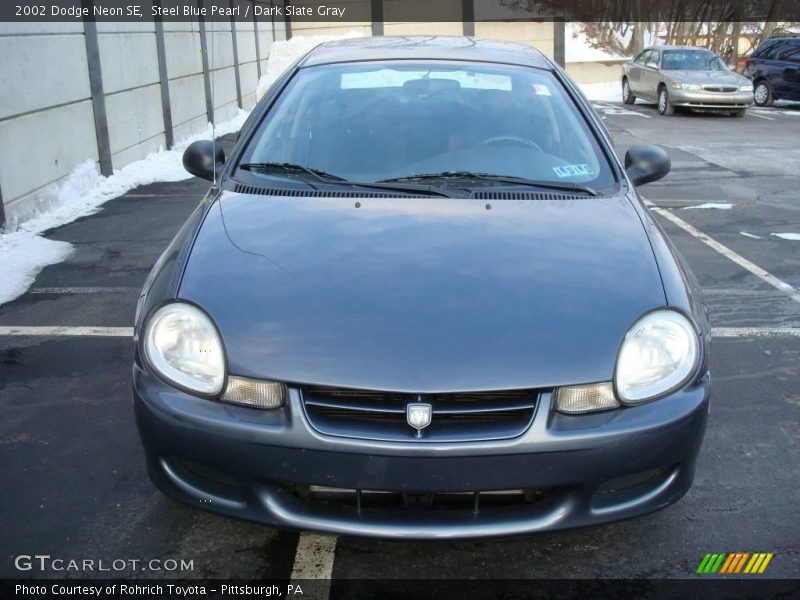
627,95
738,114
762,93
664,105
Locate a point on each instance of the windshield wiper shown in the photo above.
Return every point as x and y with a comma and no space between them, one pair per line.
329,178
286,167
510,179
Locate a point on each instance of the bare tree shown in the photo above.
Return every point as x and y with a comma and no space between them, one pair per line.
719,25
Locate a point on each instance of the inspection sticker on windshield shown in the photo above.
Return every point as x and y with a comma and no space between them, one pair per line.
573,170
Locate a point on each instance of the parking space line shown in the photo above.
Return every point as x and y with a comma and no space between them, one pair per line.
755,114
614,109
84,290
754,332
313,559
740,260
59,331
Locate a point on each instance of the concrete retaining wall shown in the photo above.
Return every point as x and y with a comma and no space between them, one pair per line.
596,71
48,116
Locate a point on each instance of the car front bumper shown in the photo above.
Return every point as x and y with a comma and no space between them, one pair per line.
581,470
704,99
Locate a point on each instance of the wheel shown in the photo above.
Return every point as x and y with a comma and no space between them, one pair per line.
762,94
739,113
664,105
627,95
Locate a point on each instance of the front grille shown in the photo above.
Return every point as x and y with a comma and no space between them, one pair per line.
455,417
370,499
720,88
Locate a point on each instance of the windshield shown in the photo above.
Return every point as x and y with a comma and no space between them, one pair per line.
691,60
372,122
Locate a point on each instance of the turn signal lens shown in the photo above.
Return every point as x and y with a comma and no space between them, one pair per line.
580,399
255,393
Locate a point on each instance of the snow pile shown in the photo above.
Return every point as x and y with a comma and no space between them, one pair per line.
282,55
788,236
578,47
718,205
82,193
606,91
24,254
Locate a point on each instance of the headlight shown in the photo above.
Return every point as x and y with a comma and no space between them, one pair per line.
689,87
659,354
183,346
746,88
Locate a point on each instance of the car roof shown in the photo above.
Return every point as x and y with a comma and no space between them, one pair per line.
670,47
426,48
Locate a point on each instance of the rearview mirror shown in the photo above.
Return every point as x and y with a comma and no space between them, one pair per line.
645,163
204,159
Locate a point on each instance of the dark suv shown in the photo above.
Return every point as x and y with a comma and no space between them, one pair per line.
775,70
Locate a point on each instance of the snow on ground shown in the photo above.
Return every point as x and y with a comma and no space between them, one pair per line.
606,91
82,193
788,236
283,54
24,255
718,205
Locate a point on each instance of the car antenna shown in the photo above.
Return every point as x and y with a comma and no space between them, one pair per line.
213,111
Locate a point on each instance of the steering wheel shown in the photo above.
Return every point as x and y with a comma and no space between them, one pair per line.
500,139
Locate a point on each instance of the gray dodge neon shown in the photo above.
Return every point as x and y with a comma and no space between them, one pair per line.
422,299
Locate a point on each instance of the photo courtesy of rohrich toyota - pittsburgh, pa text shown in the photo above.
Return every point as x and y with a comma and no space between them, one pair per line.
400,299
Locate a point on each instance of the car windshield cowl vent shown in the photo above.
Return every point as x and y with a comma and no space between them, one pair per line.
240,188
528,195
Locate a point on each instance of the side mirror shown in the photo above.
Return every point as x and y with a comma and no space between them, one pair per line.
204,159
645,163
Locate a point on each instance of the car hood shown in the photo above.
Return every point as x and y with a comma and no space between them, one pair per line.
707,77
422,294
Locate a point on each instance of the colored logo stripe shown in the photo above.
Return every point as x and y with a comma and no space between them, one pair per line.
734,562
711,563
758,563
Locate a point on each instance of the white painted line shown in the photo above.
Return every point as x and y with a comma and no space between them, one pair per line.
755,114
83,290
754,332
128,332
707,205
728,253
313,559
67,331
612,109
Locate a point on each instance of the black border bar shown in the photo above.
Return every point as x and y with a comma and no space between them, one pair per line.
380,11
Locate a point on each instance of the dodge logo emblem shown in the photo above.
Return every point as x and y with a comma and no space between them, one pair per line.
418,415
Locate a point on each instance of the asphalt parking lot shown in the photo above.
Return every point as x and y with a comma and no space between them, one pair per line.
74,479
